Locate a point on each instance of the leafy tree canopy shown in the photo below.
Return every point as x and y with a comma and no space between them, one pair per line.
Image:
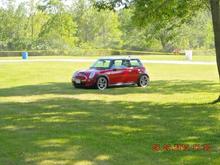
160,12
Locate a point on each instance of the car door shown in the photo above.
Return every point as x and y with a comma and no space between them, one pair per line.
127,71
133,71
117,73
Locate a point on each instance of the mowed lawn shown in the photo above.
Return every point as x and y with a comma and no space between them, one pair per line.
44,121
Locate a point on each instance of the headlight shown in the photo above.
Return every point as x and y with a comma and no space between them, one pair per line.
92,74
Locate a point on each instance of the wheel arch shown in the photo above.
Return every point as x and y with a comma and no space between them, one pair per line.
102,75
142,75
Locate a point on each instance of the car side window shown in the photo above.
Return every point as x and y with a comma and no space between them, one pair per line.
126,63
117,64
135,63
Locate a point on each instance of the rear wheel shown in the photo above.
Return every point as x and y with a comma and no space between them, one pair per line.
102,83
143,81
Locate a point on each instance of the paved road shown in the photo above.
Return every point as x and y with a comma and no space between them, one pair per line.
91,60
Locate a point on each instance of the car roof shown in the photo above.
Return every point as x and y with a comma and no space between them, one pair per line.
118,58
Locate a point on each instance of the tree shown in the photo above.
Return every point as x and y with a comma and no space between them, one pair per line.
97,29
13,27
215,10
196,33
169,13
134,37
51,6
59,32
108,33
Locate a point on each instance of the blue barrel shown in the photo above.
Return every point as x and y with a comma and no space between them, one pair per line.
24,55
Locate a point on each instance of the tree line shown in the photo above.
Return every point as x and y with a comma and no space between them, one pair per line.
54,24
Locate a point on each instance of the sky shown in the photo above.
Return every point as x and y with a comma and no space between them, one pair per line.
3,3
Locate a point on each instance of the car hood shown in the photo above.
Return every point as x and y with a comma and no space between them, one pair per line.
86,71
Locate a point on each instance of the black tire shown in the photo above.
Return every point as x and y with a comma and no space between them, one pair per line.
143,81
102,83
74,85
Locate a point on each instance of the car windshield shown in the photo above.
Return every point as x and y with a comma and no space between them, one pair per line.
101,64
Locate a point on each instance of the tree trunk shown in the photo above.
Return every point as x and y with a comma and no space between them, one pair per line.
163,42
215,10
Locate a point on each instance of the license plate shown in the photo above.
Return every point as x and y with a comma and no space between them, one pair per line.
77,81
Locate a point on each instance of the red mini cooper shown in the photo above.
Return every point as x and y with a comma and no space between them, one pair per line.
111,71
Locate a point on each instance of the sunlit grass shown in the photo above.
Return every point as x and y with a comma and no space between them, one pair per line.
45,121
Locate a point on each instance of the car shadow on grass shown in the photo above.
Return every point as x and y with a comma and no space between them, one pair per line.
75,131
159,86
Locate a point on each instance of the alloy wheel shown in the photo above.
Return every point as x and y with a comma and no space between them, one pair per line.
102,83
144,80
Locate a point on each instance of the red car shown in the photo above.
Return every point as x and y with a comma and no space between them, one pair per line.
107,72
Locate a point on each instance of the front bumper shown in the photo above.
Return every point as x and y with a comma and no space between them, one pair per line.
83,82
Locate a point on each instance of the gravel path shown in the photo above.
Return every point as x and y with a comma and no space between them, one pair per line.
91,60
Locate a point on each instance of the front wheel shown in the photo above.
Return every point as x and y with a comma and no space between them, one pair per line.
143,81
75,85
102,83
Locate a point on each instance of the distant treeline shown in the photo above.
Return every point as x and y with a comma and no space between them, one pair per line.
78,26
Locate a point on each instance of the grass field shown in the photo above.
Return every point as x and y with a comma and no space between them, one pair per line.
44,121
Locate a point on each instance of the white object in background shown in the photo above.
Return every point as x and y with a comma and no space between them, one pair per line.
188,54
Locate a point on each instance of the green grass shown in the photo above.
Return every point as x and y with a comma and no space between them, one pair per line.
143,57
43,120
